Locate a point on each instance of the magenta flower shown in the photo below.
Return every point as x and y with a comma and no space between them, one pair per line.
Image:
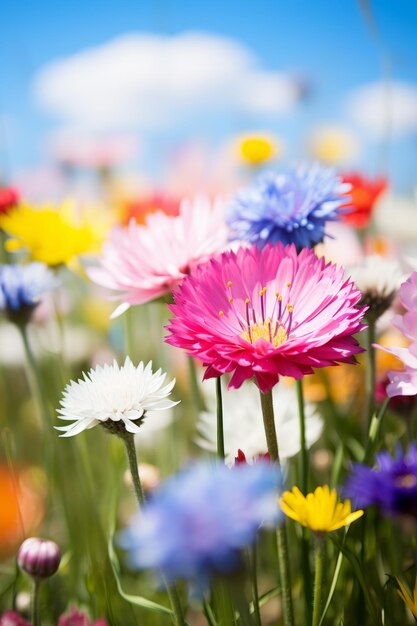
404,382
266,313
143,263
10,618
75,617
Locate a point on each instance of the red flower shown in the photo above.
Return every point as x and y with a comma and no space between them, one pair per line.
9,197
363,195
240,459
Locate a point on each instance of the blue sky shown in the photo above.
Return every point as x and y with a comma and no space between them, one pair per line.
327,42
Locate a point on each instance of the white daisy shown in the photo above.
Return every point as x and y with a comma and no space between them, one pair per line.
116,397
378,279
243,424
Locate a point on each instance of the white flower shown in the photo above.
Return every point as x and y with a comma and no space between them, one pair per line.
243,424
377,276
114,396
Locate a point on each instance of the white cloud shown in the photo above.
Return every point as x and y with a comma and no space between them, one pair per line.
385,108
146,80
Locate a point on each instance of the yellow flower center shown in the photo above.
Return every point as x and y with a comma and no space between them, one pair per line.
273,333
408,481
268,317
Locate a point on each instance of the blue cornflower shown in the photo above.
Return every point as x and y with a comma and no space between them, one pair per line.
292,207
21,287
197,522
391,485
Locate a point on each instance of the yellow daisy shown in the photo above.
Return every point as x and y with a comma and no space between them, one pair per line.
411,602
51,235
320,511
257,149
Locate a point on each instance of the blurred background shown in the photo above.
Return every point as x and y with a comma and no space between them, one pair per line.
160,93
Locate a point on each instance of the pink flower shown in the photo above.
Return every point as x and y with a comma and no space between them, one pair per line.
10,618
146,262
9,198
266,313
404,382
75,617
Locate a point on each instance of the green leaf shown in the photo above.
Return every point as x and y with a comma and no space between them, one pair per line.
136,600
373,608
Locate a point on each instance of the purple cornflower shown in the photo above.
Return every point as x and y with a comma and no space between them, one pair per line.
197,522
391,485
292,207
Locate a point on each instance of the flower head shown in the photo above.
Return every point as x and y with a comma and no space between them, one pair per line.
197,522
266,313
256,149
243,426
40,558
75,617
22,501
9,198
291,208
11,618
52,236
320,511
143,263
379,280
362,198
391,485
139,208
116,397
404,382
21,288
404,594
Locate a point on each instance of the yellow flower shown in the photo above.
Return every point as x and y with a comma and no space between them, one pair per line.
257,149
411,602
320,511
332,145
53,236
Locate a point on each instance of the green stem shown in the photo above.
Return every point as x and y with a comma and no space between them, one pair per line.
255,589
176,605
196,395
370,372
269,426
209,615
303,456
303,471
36,618
318,579
129,441
240,602
35,381
282,543
220,429
374,428
132,458
129,334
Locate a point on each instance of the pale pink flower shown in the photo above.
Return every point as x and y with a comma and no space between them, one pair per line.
404,382
266,313
143,263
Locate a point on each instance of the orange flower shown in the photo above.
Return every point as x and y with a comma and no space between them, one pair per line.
363,196
22,506
141,207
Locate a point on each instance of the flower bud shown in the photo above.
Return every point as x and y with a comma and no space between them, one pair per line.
39,558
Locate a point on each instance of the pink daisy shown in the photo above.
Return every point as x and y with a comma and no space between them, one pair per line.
404,382
143,263
266,313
